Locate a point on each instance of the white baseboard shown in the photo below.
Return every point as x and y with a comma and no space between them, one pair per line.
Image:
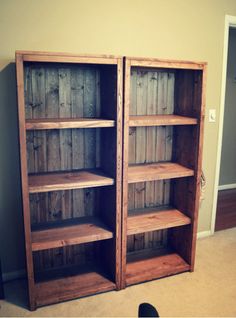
6,277
203,234
227,186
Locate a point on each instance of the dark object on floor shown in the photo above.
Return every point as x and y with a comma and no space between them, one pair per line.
1,283
147,310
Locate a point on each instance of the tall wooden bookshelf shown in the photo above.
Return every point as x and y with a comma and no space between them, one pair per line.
70,130
110,190
163,132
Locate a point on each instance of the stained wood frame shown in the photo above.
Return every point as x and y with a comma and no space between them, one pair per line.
179,220
136,269
43,293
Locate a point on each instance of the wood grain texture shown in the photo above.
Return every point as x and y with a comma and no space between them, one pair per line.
67,59
119,163
62,289
89,230
56,123
68,180
199,104
125,171
160,120
154,267
40,56
24,180
157,171
36,53
162,63
151,219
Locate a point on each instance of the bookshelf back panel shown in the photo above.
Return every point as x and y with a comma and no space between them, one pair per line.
147,195
152,91
61,205
62,90
147,241
81,257
150,144
61,150
165,91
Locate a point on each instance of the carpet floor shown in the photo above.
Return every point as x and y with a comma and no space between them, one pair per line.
208,292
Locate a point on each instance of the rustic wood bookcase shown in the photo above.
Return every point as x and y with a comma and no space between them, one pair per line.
109,200
70,129
163,131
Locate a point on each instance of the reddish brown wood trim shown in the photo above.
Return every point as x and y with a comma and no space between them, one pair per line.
125,169
199,168
119,132
24,179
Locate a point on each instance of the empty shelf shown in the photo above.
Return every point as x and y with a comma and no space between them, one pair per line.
147,220
68,180
83,232
157,171
160,120
153,267
80,285
63,123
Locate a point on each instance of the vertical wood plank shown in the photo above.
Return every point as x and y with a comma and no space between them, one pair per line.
119,157
89,134
28,92
77,100
151,146
53,257
24,179
39,137
65,137
131,149
127,80
98,114
199,106
169,133
30,138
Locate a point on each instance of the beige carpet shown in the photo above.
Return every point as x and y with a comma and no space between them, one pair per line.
208,292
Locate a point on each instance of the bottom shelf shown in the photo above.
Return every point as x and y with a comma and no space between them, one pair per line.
152,265
84,283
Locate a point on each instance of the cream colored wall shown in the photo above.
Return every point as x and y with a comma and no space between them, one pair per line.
228,154
173,29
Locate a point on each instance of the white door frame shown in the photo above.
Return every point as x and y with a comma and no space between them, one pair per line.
230,21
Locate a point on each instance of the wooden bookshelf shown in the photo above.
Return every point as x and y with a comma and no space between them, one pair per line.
157,171
68,180
113,196
160,120
152,219
67,123
162,154
70,131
